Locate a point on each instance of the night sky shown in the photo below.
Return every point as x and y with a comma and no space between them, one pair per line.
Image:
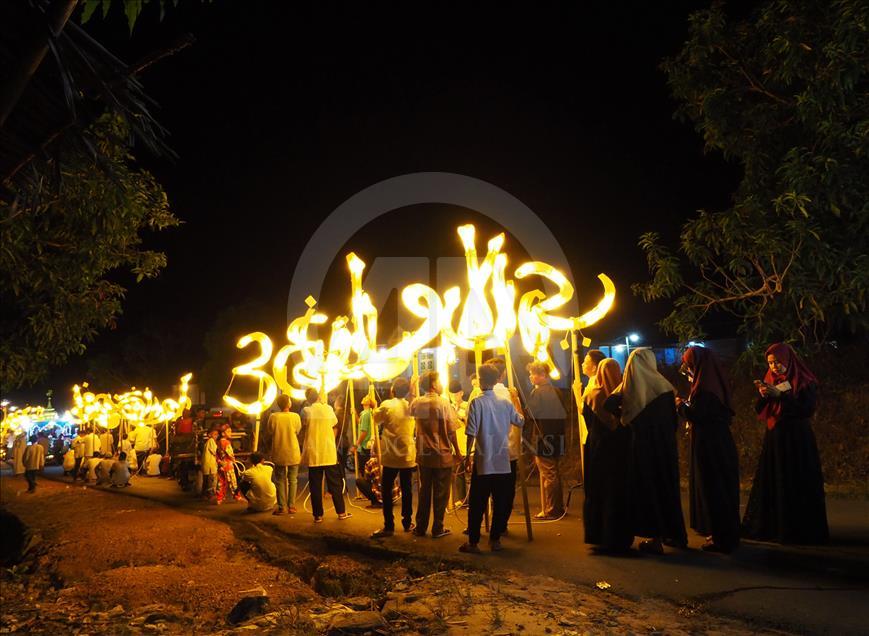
280,112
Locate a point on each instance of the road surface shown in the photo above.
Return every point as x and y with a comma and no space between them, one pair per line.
817,590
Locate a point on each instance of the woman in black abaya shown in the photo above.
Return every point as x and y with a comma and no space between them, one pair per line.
713,480
606,510
646,402
787,497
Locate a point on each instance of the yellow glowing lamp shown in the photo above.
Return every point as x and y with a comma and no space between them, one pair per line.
364,313
297,335
171,409
252,369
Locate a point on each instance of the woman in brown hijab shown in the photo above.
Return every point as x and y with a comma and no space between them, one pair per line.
713,480
606,511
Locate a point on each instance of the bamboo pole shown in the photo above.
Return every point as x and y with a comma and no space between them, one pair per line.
375,430
258,418
580,421
353,426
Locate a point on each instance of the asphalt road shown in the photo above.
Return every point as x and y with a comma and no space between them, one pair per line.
807,590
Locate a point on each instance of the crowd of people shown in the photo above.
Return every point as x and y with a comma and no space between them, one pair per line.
88,455
465,453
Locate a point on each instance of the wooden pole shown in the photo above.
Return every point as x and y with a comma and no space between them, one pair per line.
577,377
354,427
375,430
478,357
414,374
521,460
258,417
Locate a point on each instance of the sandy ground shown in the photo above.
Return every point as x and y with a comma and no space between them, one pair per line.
103,564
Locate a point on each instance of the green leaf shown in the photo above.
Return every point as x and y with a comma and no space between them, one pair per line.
89,7
132,8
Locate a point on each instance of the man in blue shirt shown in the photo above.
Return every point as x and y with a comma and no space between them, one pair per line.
490,419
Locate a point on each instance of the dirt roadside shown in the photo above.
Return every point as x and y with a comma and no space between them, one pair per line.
96,563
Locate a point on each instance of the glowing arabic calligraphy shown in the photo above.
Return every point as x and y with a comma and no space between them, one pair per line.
352,351
141,408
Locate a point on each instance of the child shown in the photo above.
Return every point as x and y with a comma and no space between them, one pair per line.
227,482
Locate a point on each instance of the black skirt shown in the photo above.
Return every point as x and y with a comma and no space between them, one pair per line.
606,510
656,500
713,480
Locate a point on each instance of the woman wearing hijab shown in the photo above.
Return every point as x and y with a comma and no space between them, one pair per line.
787,497
606,511
646,402
713,480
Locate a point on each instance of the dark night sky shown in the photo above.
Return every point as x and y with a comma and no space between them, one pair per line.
281,112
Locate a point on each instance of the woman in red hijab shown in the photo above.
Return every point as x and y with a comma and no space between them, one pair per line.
787,497
713,478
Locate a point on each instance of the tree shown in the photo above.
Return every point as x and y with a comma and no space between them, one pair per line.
72,230
784,94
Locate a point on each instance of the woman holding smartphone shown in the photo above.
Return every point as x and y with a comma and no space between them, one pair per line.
787,504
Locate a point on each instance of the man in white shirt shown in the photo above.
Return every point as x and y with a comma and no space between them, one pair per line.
257,485
152,465
107,443
321,456
144,441
34,461
398,455
282,436
91,445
